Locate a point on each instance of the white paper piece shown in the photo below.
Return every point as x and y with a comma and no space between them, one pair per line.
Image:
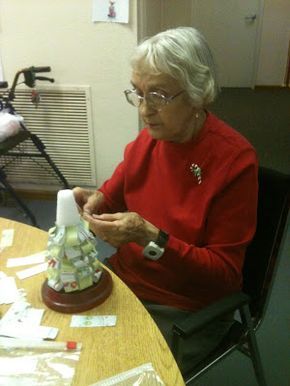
32,271
36,258
72,253
19,330
22,312
23,321
111,11
7,236
8,290
93,321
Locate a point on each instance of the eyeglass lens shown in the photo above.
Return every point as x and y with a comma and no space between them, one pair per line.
152,99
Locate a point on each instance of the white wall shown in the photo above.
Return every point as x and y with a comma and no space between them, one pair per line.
61,34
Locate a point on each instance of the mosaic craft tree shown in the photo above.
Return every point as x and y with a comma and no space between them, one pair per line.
76,281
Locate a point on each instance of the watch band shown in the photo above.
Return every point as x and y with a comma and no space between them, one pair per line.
162,238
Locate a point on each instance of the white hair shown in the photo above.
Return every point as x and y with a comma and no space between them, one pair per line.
183,54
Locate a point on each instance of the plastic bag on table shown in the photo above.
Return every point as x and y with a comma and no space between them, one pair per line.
144,375
33,363
9,125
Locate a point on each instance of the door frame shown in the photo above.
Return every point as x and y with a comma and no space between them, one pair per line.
258,42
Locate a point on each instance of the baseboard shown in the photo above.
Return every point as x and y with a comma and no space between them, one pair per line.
31,192
269,87
36,194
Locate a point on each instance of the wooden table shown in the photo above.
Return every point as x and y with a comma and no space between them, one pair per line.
106,351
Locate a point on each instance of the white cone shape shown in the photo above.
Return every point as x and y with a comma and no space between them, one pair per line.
67,212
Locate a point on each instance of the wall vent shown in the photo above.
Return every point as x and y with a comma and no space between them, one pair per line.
63,122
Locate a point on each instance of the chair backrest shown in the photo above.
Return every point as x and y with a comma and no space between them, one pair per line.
262,253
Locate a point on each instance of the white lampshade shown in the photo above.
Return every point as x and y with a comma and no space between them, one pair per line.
67,212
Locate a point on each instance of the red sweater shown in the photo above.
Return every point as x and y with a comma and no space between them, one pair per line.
210,224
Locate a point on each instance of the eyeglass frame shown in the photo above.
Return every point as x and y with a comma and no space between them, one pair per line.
166,100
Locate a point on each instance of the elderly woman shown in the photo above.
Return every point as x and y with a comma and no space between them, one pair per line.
181,206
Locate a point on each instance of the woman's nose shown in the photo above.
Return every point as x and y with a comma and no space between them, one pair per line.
146,109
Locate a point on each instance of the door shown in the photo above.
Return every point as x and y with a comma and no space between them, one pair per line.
231,28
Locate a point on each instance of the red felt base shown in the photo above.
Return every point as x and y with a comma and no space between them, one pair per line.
78,301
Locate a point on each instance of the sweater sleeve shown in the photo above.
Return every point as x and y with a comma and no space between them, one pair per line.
112,190
230,226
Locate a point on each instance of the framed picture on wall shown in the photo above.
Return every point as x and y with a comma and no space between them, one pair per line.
116,11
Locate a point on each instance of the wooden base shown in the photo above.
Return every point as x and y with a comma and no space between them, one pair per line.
78,301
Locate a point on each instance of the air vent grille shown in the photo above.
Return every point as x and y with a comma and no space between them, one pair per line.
62,121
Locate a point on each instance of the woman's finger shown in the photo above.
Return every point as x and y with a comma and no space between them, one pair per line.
108,216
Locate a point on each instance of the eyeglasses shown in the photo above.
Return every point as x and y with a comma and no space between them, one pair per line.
153,99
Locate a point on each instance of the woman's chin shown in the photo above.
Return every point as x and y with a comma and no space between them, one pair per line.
155,132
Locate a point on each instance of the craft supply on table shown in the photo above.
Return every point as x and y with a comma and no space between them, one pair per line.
144,375
93,321
27,362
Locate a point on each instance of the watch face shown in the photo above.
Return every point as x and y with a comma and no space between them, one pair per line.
153,251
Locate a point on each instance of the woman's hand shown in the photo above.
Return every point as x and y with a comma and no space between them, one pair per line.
88,201
122,228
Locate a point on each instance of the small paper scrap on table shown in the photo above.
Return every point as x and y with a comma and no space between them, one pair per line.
93,321
23,321
8,290
31,271
6,239
36,258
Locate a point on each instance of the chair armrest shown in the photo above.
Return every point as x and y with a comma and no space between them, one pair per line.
200,319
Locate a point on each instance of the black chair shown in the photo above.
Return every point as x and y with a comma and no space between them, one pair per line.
258,272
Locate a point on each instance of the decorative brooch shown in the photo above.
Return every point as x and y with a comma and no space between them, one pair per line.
196,170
